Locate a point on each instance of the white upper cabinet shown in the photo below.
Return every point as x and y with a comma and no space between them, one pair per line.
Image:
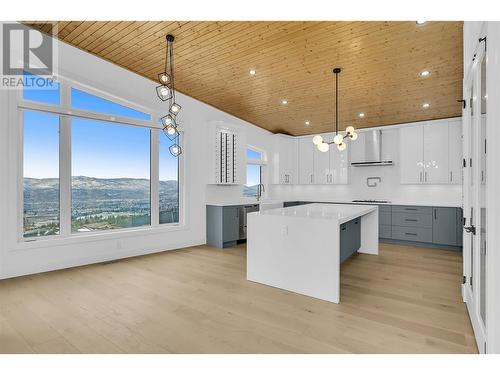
339,165
411,139
430,153
455,157
306,161
286,160
322,168
436,153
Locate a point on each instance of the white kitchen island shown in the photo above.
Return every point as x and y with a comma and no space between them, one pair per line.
298,248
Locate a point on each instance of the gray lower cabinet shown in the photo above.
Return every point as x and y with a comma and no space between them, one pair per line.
350,238
414,234
223,225
384,221
444,226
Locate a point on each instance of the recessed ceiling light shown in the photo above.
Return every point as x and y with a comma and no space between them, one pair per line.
425,73
361,115
426,105
307,123
253,72
421,22
284,102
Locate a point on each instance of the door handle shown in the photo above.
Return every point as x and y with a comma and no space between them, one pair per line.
471,229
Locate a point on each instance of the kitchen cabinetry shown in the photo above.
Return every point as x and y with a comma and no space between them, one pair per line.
321,161
431,153
444,226
287,160
223,225
330,167
306,161
411,156
435,146
350,238
339,166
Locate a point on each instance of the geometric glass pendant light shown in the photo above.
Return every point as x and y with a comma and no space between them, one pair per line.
339,137
166,92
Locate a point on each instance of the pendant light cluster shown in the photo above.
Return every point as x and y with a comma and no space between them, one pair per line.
166,92
339,137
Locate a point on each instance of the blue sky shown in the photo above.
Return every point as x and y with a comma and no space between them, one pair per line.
99,149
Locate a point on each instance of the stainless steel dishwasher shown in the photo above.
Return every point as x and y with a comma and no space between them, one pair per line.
244,210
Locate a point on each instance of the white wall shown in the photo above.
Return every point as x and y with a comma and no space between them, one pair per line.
388,189
25,258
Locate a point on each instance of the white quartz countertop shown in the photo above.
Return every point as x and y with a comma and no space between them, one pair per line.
336,201
339,212
244,202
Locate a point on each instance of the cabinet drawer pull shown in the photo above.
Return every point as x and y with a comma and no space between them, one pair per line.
411,220
410,234
410,209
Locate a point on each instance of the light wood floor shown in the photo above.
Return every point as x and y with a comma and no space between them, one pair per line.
197,300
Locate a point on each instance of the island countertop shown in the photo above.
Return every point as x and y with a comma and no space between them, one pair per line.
342,213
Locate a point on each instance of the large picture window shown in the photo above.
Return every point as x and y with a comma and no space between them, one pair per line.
110,182
107,166
255,165
40,174
169,183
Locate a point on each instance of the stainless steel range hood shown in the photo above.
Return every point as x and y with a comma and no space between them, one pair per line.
370,150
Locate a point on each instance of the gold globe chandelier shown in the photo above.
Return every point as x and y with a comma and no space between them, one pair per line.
339,137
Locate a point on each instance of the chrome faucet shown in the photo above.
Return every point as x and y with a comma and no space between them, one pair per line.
260,189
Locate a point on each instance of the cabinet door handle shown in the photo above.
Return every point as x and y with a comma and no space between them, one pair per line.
425,174
451,176
410,234
411,220
435,214
410,209
311,179
420,178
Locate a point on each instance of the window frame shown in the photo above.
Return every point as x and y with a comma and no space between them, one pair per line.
262,163
66,112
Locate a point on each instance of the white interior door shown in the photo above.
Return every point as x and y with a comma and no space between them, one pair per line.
475,180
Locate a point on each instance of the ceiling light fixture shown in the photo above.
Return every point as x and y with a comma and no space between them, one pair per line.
253,72
426,105
421,22
166,92
284,102
339,137
361,115
307,123
425,73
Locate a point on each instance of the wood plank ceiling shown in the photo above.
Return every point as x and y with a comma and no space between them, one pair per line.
381,63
